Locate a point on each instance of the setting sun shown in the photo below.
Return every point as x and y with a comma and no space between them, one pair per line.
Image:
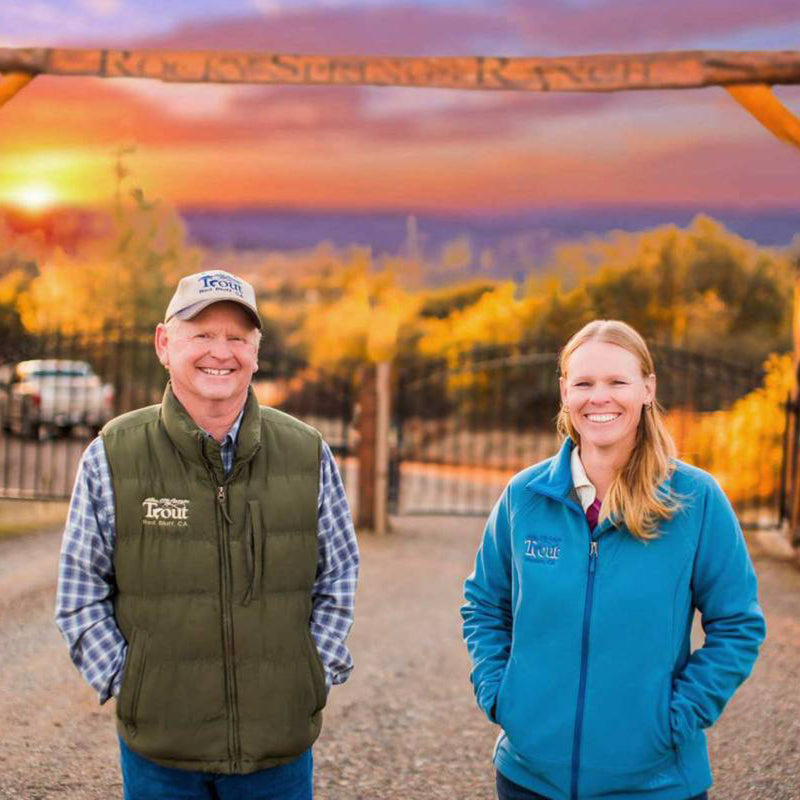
36,180
34,197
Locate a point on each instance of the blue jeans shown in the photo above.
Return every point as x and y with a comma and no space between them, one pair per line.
508,790
143,779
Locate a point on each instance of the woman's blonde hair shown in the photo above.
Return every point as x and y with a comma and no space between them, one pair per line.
635,496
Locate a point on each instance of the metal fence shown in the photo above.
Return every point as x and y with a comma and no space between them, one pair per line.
789,494
462,424
466,423
57,390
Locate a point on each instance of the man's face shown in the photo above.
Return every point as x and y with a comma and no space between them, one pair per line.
212,356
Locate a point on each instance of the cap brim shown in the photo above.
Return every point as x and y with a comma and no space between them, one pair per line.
193,310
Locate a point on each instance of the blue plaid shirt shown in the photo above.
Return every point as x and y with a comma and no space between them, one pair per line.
86,583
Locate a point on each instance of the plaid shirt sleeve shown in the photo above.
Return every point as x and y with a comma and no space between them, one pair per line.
86,584
337,574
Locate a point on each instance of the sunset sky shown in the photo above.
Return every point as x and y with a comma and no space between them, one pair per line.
389,148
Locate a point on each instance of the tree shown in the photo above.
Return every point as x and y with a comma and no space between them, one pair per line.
362,320
703,288
122,279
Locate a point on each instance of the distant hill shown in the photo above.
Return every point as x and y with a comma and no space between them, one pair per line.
520,241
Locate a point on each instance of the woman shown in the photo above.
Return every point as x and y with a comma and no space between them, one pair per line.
579,611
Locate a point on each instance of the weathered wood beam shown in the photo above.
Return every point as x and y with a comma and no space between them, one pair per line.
746,75
593,73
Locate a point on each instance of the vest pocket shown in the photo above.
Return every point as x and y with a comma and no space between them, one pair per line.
128,701
253,551
317,673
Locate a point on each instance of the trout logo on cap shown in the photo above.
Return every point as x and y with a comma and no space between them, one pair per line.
198,291
222,282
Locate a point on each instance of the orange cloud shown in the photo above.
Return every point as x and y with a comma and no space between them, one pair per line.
388,148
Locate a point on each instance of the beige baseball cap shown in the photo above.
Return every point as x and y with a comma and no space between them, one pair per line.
198,291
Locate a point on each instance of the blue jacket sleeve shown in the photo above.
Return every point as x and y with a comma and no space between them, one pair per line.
487,610
724,591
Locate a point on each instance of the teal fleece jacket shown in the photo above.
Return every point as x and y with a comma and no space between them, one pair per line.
580,641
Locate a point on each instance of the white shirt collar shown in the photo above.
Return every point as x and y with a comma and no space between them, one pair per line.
583,486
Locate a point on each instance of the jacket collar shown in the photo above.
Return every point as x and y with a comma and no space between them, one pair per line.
556,482
556,479
195,444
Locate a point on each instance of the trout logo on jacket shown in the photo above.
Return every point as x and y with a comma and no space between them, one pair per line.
168,512
543,549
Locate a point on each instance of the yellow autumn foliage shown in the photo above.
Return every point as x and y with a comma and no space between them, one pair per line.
498,317
12,284
741,446
124,278
361,320
702,288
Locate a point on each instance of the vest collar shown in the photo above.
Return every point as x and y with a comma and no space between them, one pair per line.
194,444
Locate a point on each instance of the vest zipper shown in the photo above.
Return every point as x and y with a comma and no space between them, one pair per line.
587,613
234,743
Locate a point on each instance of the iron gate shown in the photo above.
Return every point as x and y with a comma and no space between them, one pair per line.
466,423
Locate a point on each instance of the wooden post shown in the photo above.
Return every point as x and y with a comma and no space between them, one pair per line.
768,110
382,417
12,83
794,469
366,449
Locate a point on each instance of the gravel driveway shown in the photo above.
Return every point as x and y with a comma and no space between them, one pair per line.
405,725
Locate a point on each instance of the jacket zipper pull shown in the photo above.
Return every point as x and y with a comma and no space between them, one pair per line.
593,554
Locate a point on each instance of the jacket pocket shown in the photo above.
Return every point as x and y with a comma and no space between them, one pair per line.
497,712
317,673
664,722
635,711
128,700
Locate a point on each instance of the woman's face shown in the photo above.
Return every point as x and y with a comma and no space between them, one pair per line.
604,393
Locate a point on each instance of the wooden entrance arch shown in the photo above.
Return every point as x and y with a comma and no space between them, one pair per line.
747,76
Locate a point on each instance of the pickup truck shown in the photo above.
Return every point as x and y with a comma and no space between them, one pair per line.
52,396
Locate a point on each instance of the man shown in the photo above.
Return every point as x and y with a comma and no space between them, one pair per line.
208,568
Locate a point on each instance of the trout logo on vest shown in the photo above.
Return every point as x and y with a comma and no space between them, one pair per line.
168,512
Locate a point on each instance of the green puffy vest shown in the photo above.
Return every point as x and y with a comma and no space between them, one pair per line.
214,578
